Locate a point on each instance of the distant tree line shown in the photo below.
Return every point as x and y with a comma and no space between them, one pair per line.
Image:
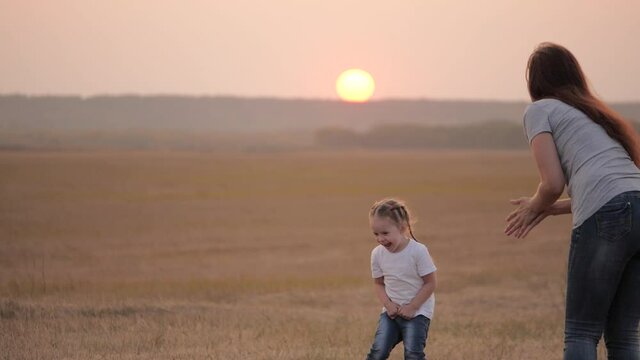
488,135
259,124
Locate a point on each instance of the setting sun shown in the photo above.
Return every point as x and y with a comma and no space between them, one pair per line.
355,85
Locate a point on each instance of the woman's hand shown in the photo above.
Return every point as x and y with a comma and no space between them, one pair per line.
531,211
523,219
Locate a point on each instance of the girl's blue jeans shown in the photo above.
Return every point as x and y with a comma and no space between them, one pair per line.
412,333
603,282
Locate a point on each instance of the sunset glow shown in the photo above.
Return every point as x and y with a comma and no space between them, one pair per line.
355,85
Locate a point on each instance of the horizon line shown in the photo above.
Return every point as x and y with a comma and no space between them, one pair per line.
271,97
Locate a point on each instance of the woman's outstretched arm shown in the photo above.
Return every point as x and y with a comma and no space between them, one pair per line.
560,207
531,211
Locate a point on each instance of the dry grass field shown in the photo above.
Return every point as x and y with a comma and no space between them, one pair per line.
123,255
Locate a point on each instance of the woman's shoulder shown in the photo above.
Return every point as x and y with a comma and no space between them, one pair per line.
545,108
547,105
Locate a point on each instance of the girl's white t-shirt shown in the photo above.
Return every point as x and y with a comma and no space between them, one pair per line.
403,273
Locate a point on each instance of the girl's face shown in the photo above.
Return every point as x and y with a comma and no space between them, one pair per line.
387,233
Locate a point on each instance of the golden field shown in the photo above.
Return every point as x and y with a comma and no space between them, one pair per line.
176,255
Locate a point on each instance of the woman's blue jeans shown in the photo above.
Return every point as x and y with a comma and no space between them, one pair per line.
603,282
412,333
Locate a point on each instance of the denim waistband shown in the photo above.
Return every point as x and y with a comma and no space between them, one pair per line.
628,195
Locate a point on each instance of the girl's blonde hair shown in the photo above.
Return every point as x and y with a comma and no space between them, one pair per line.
395,210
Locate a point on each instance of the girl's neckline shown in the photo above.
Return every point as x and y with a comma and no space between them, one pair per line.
406,245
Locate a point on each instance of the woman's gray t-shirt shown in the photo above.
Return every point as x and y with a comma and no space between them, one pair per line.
596,167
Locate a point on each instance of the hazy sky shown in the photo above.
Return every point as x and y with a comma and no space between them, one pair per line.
297,48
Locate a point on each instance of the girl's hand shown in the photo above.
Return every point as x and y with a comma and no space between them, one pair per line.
407,311
523,219
392,309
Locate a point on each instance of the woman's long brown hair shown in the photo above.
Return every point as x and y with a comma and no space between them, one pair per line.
553,72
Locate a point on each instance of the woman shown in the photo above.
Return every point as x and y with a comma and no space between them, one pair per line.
578,140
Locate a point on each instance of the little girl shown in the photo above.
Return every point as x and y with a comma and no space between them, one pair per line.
405,279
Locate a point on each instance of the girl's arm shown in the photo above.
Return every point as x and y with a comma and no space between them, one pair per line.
532,211
381,293
408,311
